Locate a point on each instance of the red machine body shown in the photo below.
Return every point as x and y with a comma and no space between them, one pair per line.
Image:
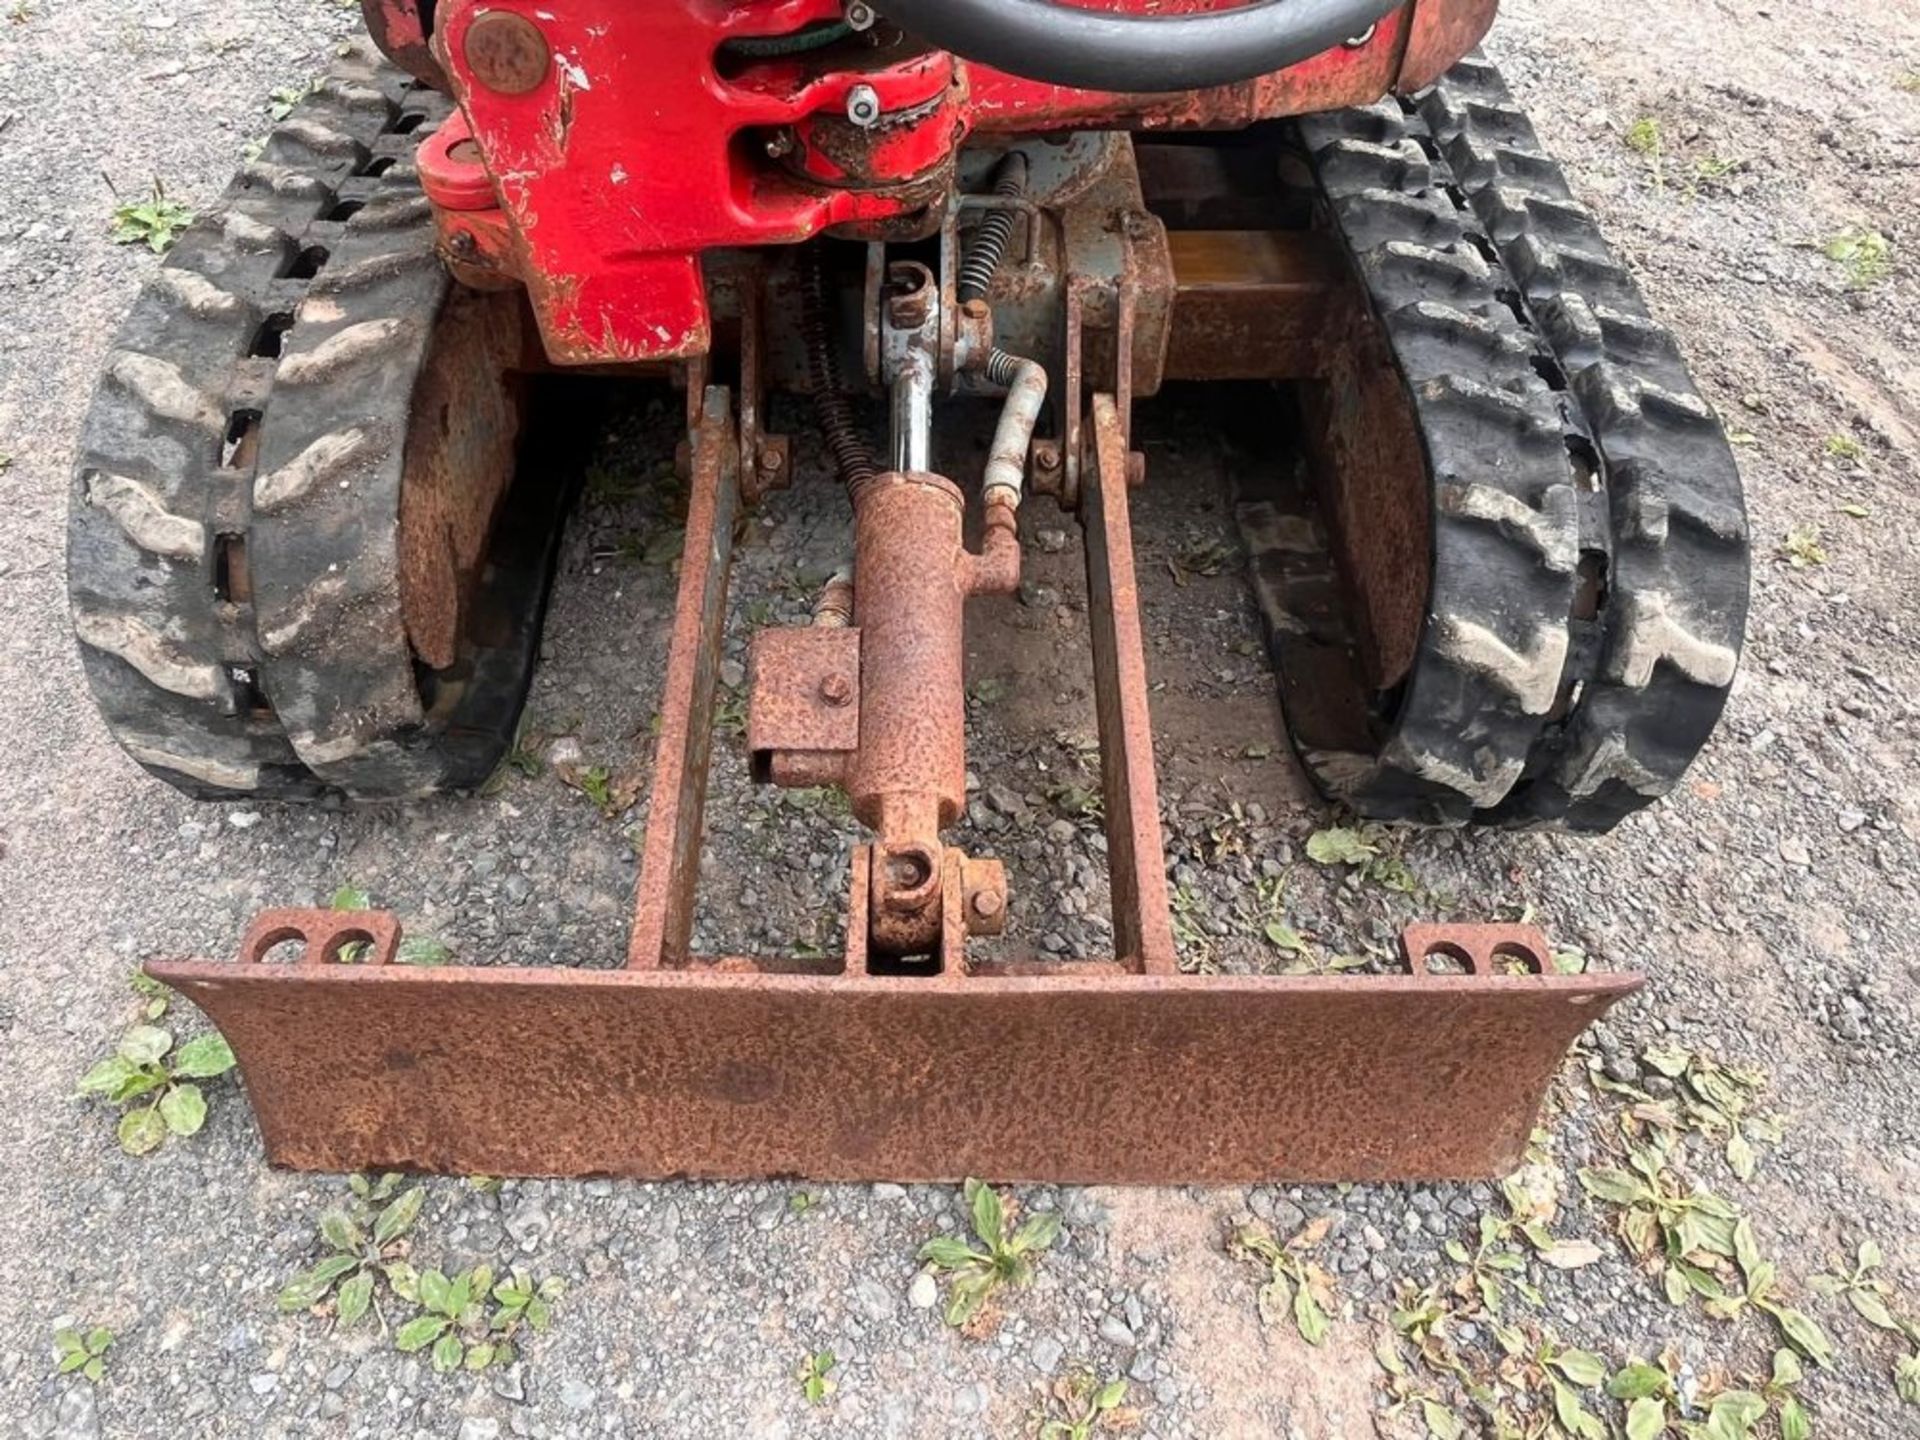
604,147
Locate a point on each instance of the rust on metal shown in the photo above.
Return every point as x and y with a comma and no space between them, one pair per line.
734,1070
507,53
459,464
1250,304
1370,475
1476,949
1142,920
803,703
879,708
400,30
670,859
907,1058
1441,32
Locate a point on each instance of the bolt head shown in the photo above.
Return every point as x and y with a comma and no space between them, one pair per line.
988,903
506,52
863,106
860,15
837,690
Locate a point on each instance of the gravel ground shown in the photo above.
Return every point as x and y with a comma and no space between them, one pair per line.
1771,902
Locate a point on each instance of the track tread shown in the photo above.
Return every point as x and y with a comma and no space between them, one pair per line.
172,664
1505,521
306,685
1676,590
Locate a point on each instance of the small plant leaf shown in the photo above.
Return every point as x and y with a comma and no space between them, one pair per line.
1734,1413
424,951
969,1293
448,1352
142,1131
419,1332
1036,1232
340,1231
398,1217
1615,1186
1872,1308
1442,1423
949,1253
1647,1418
1340,847
989,1219
1794,1421
1806,1335
145,1045
184,1109
108,1076
203,1058
1636,1380
1582,1367
1574,1417
356,1296
1308,1316
436,1292
1906,1378
308,1290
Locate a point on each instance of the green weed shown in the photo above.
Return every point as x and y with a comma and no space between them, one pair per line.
155,222
155,1082
1003,1259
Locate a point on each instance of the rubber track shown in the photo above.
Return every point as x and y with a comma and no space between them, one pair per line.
168,649
1506,532
326,504
1673,616
302,681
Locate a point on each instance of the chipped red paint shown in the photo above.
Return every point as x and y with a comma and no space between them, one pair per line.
647,145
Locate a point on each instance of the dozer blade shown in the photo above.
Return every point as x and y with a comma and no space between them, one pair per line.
1089,1075
867,1066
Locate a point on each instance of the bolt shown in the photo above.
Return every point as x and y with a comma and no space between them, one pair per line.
769,461
988,903
506,52
975,310
863,106
779,144
836,690
463,244
860,15
1046,457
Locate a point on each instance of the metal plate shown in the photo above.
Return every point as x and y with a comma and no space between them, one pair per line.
1101,1077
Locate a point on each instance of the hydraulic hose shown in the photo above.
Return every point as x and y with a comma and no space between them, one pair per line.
852,460
989,247
1098,50
1026,382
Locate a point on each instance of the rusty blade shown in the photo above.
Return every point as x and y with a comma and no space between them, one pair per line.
729,1070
